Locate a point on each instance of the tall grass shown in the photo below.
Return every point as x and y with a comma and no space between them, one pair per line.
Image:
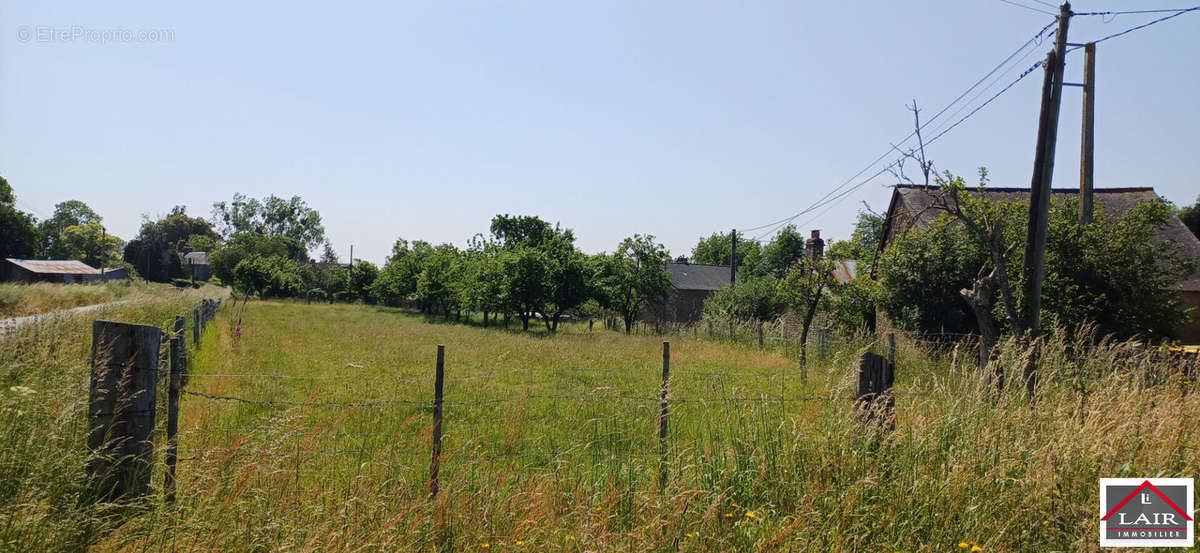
19,299
551,444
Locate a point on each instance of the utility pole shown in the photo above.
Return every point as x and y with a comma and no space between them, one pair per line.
1043,175
1086,142
351,256
733,256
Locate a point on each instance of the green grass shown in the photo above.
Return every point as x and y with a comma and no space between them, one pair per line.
551,443
19,299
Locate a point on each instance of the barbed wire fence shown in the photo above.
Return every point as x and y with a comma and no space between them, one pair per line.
126,473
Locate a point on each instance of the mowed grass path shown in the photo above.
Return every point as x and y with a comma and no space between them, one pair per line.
551,444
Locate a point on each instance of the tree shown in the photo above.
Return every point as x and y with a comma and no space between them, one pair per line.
525,281
438,282
863,244
272,216
1190,216
751,299
328,255
245,244
49,232
398,278
784,251
715,250
635,276
482,286
804,290
267,277
156,250
18,234
91,244
362,276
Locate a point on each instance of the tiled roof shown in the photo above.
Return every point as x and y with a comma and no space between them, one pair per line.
688,276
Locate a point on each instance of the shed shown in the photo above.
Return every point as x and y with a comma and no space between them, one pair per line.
197,265
691,284
46,270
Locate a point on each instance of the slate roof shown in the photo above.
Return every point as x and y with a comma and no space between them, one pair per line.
195,258
909,200
692,276
54,266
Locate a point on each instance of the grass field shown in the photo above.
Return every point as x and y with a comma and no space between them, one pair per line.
19,299
551,443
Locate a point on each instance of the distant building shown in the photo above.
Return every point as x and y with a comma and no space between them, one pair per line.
196,265
911,207
691,284
41,270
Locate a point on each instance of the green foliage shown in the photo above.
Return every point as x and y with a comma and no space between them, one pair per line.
362,275
635,276
754,298
397,279
272,216
863,244
784,251
159,244
852,308
49,232
18,234
715,250
202,243
1190,216
245,244
439,279
267,277
525,281
91,244
1111,272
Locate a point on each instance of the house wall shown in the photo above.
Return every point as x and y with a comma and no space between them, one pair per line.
683,306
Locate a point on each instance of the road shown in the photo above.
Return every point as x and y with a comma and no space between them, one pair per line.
8,325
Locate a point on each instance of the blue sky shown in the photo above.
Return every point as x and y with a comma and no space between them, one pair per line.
676,119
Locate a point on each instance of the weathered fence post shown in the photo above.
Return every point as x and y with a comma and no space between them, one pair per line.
892,348
175,385
436,457
121,401
874,398
662,417
760,334
196,327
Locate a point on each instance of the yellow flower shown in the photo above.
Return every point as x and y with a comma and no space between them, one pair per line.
963,544
485,545
750,514
976,548
735,504
598,509
728,515
690,535
519,542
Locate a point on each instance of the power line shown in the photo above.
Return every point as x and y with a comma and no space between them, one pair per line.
821,201
1031,8
1134,12
1142,26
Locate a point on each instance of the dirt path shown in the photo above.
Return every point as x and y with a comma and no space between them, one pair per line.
8,325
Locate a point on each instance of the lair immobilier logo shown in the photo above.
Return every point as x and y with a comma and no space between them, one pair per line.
1140,512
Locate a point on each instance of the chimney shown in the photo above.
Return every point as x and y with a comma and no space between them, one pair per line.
815,247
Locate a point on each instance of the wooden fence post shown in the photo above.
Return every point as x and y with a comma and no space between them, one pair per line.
662,417
874,398
892,348
121,401
760,334
176,383
196,327
436,457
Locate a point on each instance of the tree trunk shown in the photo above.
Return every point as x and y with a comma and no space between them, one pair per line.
485,319
524,321
628,325
809,314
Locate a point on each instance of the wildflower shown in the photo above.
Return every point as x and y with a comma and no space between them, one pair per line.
22,390
963,544
728,515
976,548
598,509
519,542
485,545
690,535
735,505
750,514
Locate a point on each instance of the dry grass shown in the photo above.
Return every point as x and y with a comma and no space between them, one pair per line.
18,299
757,459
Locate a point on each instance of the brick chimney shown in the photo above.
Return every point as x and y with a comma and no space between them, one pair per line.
815,247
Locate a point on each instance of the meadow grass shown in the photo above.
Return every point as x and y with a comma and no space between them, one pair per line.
551,443
20,299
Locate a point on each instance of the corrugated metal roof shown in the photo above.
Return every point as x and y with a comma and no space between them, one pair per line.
688,276
845,271
54,266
